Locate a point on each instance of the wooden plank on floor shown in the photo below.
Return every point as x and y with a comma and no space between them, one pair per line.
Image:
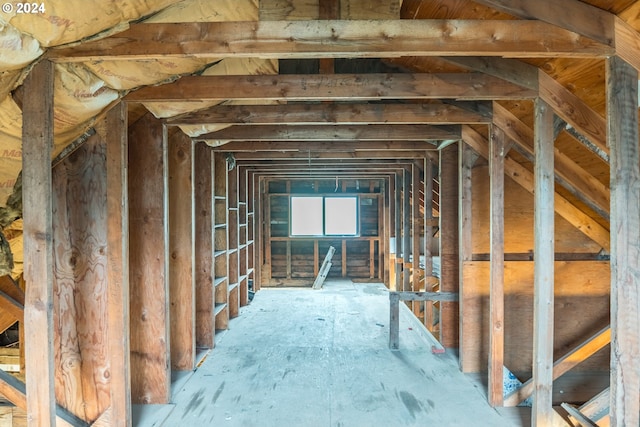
37,143
622,118
118,265
496,293
181,250
543,412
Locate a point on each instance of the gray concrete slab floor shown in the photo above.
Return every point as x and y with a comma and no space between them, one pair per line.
299,357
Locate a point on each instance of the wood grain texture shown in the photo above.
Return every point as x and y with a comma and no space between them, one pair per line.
333,87
37,144
118,289
449,263
181,252
204,245
364,133
543,274
347,114
622,96
148,262
496,294
339,38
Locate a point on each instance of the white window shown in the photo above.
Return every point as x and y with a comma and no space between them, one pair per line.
324,216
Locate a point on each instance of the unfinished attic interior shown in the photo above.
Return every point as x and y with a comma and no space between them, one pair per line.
164,164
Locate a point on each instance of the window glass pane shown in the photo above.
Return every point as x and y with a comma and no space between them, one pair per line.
341,215
306,216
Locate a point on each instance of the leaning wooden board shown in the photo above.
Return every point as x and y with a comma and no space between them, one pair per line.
10,288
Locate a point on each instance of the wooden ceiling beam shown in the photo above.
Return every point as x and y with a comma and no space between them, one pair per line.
324,146
328,155
346,114
333,87
572,15
337,39
271,133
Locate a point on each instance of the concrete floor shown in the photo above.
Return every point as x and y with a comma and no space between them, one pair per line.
298,357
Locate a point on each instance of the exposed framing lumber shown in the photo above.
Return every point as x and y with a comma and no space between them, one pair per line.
11,306
467,157
496,289
573,358
398,179
15,391
574,111
406,230
573,15
363,133
336,39
148,262
321,149
511,70
416,227
627,43
449,241
37,143
204,245
569,174
543,277
622,110
181,249
522,176
118,265
333,87
346,114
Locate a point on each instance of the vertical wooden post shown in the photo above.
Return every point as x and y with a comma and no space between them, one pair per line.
204,245
406,230
181,249
496,287
449,274
622,117
118,265
148,262
428,217
415,228
394,321
467,158
398,227
37,143
543,412
343,263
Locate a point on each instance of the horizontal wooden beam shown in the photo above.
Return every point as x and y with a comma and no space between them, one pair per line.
337,39
309,147
425,296
334,155
271,133
334,87
346,114
587,225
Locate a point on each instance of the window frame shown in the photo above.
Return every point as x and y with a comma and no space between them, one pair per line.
324,217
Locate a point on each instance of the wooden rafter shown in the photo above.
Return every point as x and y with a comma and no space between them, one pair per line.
573,15
271,133
318,154
336,39
346,114
333,87
324,146
580,182
524,177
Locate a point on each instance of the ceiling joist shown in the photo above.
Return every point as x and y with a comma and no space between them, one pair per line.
333,87
325,146
337,39
344,114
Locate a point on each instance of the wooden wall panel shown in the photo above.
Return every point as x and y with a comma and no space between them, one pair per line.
581,309
204,247
148,250
80,281
181,249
